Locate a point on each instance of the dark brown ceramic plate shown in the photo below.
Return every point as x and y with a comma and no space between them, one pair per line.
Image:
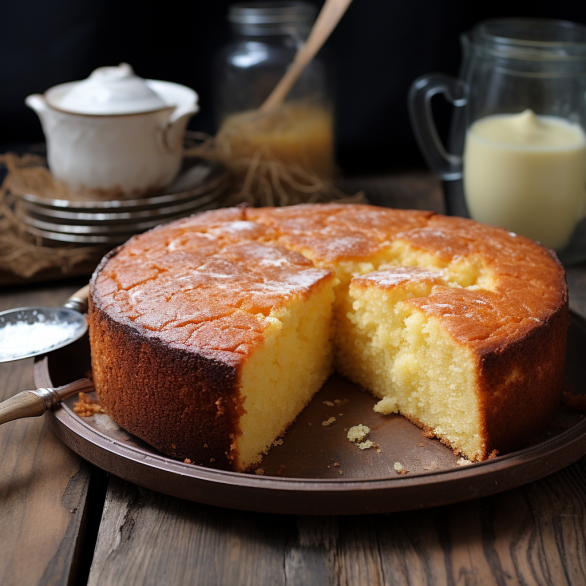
317,470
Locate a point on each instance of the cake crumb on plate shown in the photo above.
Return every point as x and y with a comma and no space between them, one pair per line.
86,406
463,462
574,402
358,433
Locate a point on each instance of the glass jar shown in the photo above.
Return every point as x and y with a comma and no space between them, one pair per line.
517,148
266,36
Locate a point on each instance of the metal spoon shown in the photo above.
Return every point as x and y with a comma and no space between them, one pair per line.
30,331
70,316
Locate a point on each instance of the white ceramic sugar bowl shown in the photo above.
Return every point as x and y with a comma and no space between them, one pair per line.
115,135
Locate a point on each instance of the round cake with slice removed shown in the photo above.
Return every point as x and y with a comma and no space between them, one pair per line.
209,335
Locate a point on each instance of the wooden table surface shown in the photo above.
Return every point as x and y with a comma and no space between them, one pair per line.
63,521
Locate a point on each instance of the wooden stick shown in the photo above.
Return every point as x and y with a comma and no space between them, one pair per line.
326,22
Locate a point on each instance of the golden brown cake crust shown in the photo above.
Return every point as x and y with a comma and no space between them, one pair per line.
176,312
522,384
162,394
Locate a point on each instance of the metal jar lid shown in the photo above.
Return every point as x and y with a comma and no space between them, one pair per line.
271,18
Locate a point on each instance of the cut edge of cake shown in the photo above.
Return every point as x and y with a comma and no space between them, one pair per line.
281,377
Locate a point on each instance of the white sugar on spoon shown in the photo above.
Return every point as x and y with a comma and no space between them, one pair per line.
30,331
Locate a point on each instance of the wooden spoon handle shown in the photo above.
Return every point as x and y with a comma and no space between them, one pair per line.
35,403
331,13
78,300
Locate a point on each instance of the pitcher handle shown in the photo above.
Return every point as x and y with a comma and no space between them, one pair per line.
444,164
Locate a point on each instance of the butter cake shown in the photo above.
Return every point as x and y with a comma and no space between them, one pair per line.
209,335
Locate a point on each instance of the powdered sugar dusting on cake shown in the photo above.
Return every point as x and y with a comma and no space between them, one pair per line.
238,230
179,243
273,262
239,226
304,280
393,276
346,245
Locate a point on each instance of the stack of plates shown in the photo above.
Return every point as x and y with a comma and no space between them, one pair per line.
199,186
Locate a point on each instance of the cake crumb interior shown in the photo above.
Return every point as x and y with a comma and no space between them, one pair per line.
406,359
280,380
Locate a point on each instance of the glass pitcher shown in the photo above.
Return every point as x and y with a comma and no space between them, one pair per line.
517,148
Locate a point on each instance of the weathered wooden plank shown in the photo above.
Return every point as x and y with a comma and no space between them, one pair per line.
532,535
43,485
312,551
147,538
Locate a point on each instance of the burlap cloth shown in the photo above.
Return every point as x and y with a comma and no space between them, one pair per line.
20,253
255,181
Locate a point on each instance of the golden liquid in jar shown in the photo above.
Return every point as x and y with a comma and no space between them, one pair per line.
295,133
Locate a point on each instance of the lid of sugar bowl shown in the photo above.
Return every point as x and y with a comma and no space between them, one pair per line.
108,90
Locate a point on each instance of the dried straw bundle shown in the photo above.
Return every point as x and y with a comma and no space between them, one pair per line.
21,254
263,180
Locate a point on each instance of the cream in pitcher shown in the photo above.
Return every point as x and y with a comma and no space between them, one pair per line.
527,173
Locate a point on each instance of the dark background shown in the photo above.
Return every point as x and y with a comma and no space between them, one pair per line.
380,47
